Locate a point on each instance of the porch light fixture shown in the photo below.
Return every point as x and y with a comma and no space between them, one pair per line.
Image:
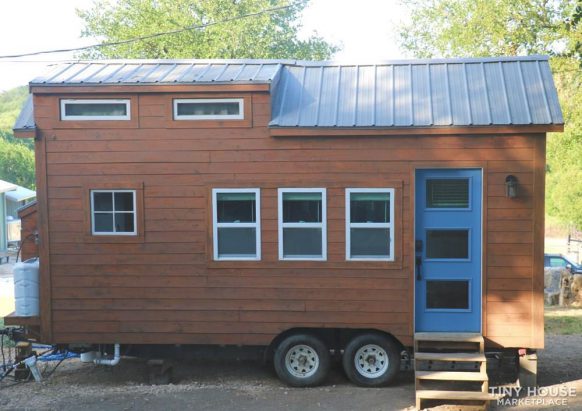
511,186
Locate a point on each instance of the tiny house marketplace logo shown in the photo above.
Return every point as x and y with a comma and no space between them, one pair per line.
533,396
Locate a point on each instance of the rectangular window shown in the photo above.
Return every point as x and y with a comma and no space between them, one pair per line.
302,224
447,193
236,224
209,109
113,212
448,244
95,109
451,295
369,224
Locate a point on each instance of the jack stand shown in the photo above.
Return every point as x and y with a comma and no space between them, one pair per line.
23,351
159,372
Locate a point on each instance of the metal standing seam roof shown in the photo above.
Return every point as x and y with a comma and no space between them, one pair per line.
20,194
423,93
25,120
494,91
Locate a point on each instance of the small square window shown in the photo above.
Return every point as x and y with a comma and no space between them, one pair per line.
98,110
302,224
209,109
237,228
113,212
369,229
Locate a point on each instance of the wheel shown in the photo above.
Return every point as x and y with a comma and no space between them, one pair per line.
302,360
371,360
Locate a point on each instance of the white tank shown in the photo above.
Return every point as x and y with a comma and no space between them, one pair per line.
26,288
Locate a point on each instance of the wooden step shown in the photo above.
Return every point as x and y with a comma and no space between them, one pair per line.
449,356
451,375
454,395
451,337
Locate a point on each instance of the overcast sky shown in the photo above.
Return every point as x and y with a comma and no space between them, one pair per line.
365,28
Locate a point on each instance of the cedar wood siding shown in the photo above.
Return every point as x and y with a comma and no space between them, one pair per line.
163,286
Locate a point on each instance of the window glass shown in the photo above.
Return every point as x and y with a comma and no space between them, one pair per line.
302,242
124,222
447,193
103,222
98,110
557,262
447,244
444,294
370,207
103,201
236,224
302,208
208,109
123,201
236,207
237,242
369,242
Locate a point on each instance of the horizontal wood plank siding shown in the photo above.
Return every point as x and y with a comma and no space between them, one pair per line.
167,289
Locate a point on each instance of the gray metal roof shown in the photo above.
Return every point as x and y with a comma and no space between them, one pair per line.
25,120
160,72
408,93
418,93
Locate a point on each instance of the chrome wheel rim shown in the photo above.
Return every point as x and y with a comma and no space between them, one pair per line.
302,361
371,361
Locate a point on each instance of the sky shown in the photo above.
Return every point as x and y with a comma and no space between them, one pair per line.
364,28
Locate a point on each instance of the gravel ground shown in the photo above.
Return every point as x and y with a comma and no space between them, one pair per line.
246,386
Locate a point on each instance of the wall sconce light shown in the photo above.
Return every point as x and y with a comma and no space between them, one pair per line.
511,186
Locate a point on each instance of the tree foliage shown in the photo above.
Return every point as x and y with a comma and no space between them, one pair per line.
268,35
16,155
447,28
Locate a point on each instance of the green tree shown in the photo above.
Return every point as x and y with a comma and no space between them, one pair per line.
447,28
267,35
16,155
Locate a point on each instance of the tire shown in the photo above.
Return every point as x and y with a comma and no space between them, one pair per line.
371,360
302,360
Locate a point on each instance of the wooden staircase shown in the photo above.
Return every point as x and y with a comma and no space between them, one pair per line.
451,367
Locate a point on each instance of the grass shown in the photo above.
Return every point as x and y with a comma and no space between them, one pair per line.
563,321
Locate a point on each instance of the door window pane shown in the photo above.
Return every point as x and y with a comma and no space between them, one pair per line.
369,242
447,294
302,208
236,207
447,193
237,242
302,242
370,207
447,244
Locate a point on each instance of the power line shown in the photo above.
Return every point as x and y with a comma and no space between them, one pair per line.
153,35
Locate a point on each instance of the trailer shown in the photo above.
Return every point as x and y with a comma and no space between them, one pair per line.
303,207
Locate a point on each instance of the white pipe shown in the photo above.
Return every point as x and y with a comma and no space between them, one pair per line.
110,362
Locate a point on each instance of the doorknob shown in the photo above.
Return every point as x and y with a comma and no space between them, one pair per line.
418,268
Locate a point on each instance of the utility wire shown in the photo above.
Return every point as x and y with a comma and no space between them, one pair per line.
153,35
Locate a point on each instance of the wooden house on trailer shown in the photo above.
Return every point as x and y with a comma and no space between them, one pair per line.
299,206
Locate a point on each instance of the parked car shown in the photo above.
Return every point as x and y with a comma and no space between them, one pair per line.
558,260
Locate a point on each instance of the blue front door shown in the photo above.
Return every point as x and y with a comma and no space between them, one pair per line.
448,250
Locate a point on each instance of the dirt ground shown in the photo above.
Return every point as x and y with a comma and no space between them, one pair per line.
245,386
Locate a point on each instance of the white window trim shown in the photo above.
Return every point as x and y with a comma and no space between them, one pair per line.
256,224
239,116
64,103
322,225
349,224
134,212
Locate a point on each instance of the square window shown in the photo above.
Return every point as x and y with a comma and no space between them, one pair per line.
369,231
113,212
236,224
302,224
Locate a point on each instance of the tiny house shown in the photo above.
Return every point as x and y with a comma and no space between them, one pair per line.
300,206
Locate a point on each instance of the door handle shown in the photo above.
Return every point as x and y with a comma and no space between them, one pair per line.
418,268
